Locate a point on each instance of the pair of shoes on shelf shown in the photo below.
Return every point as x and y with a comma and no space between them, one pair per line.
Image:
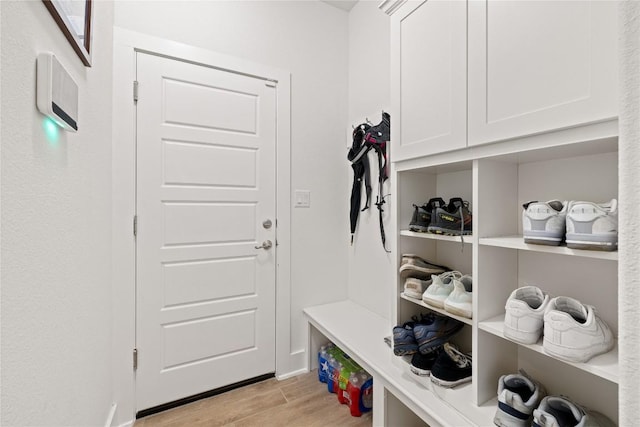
447,365
451,291
422,215
436,216
413,266
522,400
584,225
572,331
424,335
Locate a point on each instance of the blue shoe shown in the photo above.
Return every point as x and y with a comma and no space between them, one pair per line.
434,331
403,340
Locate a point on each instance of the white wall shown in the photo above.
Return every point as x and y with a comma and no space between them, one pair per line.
370,268
308,39
56,231
629,218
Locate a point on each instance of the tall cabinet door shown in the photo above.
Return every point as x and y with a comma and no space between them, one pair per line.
429,77
538,66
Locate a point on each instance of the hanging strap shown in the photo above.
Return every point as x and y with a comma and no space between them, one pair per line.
382,177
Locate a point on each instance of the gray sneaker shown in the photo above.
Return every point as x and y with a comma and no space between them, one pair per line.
593,225
414,266
543,223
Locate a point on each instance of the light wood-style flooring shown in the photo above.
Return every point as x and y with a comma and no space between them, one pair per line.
298,401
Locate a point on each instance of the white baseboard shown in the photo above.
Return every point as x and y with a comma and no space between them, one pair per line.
291,374
127,424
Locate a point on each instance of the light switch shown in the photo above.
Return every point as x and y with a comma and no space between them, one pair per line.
303,198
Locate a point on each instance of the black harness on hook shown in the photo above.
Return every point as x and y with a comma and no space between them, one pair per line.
366,138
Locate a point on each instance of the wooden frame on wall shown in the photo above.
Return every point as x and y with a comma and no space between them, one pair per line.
74,17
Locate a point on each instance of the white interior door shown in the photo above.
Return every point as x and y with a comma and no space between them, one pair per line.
205,184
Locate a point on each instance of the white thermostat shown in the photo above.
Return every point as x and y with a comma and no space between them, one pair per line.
57,93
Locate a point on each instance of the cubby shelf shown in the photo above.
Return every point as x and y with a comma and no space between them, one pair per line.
436,309
438,406
517,242
604,365
469,239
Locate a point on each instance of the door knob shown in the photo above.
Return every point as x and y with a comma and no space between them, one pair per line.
265,245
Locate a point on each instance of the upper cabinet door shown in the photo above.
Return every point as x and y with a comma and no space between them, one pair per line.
538,66
429,78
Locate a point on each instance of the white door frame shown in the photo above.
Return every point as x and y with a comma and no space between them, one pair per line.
126,44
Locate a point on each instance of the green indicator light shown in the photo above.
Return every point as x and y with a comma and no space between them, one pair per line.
51,130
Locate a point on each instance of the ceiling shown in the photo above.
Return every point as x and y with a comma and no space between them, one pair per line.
342,4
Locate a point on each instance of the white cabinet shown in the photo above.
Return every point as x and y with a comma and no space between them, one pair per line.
428,77
471,73
538,66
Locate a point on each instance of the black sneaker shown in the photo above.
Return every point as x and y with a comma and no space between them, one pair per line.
454,219
421,364
452,367
422,214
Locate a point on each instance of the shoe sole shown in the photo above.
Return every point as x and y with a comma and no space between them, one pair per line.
404,350
420,372
448,231
576,355
547,241
433,302
521,336
418,228
598,242
458,310
547,238
409,294
424,273
449,384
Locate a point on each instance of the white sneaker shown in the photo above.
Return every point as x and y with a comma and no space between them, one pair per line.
592,225
414,287
518,396
574,332
440,288
558,411
459,301
524,314
543,223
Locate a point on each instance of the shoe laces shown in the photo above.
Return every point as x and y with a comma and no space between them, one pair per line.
461,359
454,274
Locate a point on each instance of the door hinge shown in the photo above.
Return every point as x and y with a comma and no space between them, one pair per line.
270,83
135,359
135,91
135,226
